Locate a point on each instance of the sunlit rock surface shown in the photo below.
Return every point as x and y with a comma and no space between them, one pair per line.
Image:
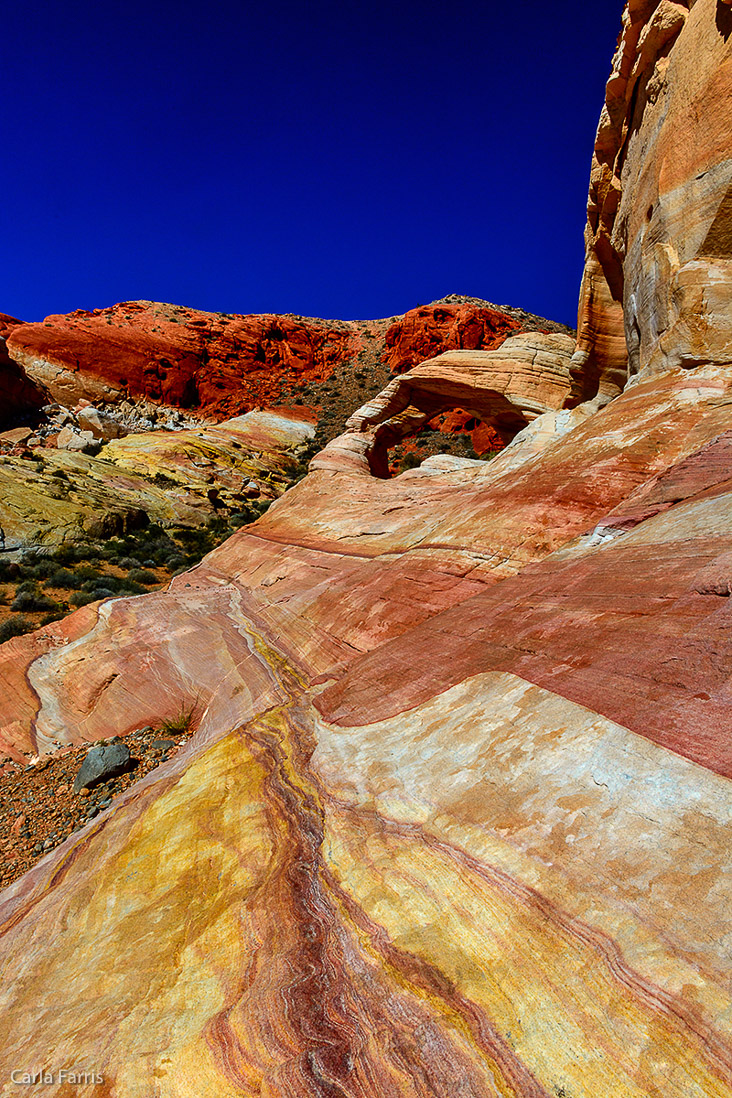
458,806
457,817
659,229
219,362
49,496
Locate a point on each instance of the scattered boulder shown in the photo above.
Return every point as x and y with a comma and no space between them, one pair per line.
79,441
16,436
102,762
100,424
162,745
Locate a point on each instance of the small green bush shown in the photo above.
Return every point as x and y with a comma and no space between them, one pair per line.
87,572
180,724
65,579
143,575
81,598
55,615
29,601
15,627
9,569
128,587
42,569
409,461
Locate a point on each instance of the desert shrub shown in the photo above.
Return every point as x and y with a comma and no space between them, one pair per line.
15,627
28,599
65,579
129,587
85,551
129,562
180,724
92,594
109,583
81,598
143,575
240,518
103,593
41,569
67,554
409,461
54,615
8,570
87,572
28,586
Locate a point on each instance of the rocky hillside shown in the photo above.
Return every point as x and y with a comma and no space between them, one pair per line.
455,814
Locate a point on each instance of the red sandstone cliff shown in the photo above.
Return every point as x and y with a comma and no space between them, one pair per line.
220,363
455,323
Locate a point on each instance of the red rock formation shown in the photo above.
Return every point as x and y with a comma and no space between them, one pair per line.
504,389
457,815
429,330
483,436
223,364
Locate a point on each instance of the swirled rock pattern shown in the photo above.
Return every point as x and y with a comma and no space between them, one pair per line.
457,816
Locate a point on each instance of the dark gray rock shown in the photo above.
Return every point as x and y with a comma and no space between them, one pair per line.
162,745
102,762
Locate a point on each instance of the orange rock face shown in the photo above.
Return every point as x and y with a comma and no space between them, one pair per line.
457,816
222,364
430,329
504,389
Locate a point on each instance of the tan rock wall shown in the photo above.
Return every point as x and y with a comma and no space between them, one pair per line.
657,288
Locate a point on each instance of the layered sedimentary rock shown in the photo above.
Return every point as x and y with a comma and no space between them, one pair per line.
507,389
657,289
227,363
456,819
62,494
447,781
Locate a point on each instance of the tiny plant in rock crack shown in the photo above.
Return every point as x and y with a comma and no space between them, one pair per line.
181,723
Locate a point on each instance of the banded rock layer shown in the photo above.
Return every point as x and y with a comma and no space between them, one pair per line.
455,813
457,816
50,496
657,289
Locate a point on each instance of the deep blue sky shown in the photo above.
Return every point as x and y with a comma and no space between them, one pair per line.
330,159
